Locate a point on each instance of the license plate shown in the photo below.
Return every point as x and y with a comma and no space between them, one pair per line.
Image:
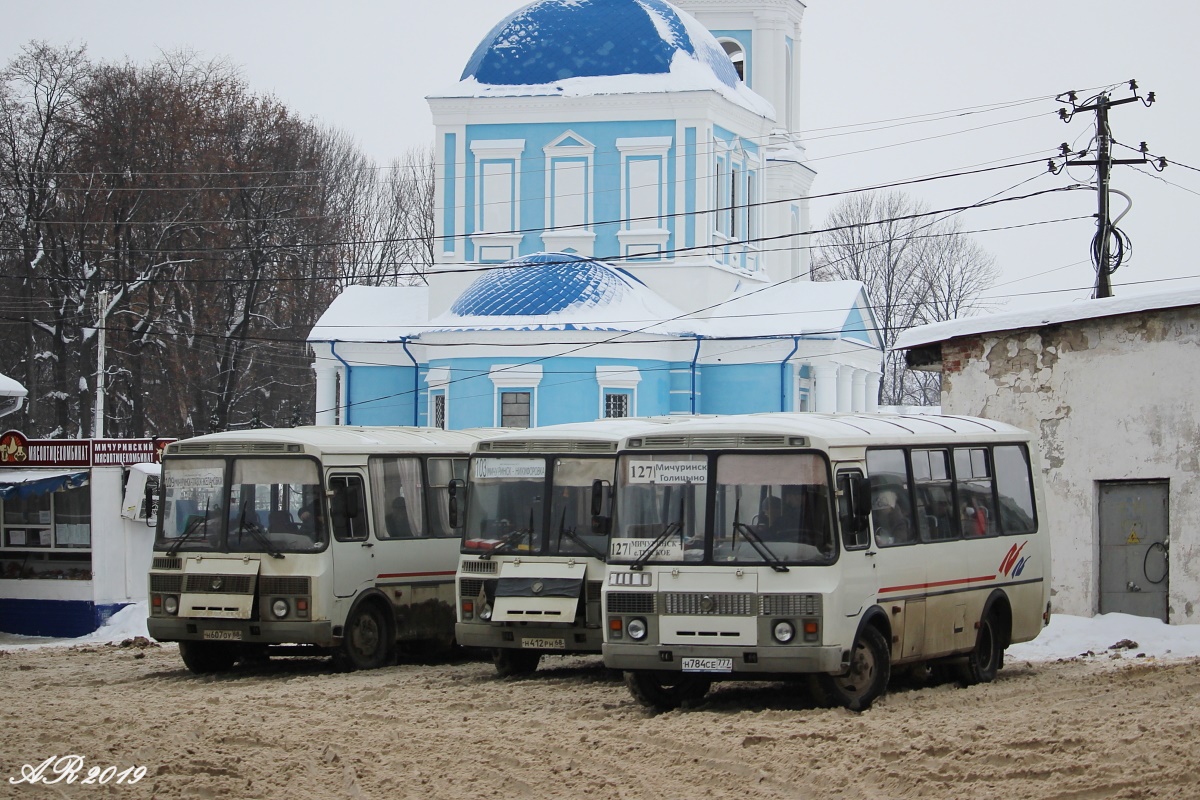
707,664
544,644
224,636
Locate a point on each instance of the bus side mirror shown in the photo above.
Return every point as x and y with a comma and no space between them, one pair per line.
452,501
151,507
860,490
600,523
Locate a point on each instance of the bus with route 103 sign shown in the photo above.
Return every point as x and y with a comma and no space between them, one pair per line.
535,537
832,547
307,541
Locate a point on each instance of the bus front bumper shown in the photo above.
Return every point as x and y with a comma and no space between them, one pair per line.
543,638
176,629
718,662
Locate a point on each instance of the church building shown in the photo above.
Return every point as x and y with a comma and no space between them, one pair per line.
620,231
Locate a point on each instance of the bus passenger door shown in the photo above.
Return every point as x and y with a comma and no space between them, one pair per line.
859,580
352,546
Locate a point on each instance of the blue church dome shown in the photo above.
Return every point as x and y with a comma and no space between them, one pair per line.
541,284
554,40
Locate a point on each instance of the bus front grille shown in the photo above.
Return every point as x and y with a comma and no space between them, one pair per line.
166,584
710,603
284,584
789,605
167,562
479,567
219,584
631,602
470,587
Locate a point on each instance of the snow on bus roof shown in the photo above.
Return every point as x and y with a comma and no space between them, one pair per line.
847,427
348,438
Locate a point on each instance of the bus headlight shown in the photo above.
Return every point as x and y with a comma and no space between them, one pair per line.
784,631
486,613
280,608
636,628
171,604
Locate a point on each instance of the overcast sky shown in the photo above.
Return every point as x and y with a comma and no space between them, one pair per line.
365,66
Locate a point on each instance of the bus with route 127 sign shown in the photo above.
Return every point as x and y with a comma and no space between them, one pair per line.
307,541
535,537
837,547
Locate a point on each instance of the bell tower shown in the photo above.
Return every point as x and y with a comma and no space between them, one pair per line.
763,39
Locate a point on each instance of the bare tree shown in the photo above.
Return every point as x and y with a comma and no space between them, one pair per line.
915,269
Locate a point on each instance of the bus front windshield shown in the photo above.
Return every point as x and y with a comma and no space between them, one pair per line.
269,506
505,505
660,508
772,509
573,530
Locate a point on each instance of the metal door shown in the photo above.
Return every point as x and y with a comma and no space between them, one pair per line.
1134,568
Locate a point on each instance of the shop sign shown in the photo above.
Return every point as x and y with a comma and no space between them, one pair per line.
17,450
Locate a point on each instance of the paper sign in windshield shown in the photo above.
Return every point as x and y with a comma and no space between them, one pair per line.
486,468
667,472
669,550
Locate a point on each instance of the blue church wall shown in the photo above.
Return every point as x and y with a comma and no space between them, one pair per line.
682,389
568,390
532,213
380,396
689,176
855,327
450,161
742,388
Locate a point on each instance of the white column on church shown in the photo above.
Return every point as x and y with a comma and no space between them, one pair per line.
873,379
859,400
825,392
326,392
845,388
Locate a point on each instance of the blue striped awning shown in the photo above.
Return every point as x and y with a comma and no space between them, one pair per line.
34,482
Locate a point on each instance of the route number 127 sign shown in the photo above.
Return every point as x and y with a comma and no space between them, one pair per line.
667,472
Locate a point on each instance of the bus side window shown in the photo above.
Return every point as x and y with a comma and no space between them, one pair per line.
855,527
348,508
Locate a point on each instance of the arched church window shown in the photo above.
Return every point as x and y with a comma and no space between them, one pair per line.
737,55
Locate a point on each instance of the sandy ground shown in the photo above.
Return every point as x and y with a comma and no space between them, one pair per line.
1081,728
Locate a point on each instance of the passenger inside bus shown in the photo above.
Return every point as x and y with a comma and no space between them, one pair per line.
891,523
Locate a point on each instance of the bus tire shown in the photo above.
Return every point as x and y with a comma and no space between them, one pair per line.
666,691
868,675
367,643
985,659
205,658
511,662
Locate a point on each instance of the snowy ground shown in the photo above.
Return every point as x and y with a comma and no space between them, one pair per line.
1066,637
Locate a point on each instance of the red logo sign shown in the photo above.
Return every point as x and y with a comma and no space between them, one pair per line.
14,448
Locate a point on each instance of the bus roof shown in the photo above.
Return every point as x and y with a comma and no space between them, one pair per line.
602,435
339,439
832,430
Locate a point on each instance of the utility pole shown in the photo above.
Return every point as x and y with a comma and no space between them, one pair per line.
1102,255
102,300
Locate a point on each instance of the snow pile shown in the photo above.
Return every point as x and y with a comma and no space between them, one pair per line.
1069,637
128,623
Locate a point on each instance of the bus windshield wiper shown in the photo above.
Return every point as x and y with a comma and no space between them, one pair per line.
756,541
670,530
570,533
194,525
257,532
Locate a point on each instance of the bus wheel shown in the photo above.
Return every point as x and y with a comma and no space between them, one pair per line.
511,662
867,678
205,658
983,663
367,643
666,690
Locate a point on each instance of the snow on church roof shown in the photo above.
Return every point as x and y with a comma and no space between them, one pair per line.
817,309
373,314
573,48
557,291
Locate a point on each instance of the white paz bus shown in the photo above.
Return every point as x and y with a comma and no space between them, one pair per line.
770,546
326,540
534,540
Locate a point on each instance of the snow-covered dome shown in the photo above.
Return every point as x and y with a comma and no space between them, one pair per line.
553,40
573,48
555,291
